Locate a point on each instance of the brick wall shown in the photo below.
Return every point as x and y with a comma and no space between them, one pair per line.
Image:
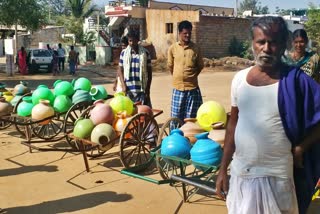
213,34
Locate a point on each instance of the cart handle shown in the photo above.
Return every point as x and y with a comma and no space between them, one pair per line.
193,183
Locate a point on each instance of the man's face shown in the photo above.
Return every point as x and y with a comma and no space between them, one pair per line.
185,35
133,42
267,49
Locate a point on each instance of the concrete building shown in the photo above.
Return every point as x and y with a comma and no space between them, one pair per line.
214,27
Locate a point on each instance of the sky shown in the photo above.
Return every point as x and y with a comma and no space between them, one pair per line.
272,4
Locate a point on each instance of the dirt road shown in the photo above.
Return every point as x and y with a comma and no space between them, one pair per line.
54,182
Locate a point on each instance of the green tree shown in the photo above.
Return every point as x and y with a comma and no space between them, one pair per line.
27,13
312,26
143,3
254,5
79,10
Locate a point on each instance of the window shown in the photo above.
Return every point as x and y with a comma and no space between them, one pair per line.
169,27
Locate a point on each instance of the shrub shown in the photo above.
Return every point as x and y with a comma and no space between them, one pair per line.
240,48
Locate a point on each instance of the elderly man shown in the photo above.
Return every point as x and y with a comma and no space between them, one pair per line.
185,64
135,71
272,135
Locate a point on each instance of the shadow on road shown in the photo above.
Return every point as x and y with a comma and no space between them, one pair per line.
26,169
70,204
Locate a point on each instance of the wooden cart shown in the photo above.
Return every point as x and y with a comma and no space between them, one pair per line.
139,135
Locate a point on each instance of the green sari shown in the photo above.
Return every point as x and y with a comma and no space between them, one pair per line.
309,63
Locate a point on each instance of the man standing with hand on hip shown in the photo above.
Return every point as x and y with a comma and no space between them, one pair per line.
185,64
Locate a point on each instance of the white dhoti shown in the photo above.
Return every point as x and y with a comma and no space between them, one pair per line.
262,195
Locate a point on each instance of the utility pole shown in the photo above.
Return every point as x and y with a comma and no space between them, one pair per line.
236,9
98,26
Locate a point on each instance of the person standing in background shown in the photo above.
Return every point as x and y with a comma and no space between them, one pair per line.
135,70
55,61
308,61
61,57
49,49
22,61
185,64
72,61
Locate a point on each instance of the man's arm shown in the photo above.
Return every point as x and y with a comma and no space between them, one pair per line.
149,72
312,137
120,74
170,60
200,63
222,183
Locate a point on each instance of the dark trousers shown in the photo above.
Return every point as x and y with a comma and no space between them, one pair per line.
61,63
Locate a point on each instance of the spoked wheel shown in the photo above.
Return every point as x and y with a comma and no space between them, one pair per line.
139,135
70,118
5,124
48,130
22,128
21,120
166,167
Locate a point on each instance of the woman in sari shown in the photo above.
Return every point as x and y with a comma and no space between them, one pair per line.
22,54
308,61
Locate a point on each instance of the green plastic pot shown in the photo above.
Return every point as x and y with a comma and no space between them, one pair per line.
63,88
62,103
83,128
25,107
42,93
83,84
98,92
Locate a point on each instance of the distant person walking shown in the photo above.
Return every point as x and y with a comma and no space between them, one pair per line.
185,64
61,57
55,59
72,61
49,48
22,61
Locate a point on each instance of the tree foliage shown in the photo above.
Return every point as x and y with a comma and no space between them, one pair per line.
81,8
73,22
254,5
312,26
27,13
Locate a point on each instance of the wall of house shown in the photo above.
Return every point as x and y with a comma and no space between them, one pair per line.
156,27
213,34
47,35
210,10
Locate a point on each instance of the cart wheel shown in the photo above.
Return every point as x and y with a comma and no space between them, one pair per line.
5,124
136,139
165,167
48,131
70,118
21,128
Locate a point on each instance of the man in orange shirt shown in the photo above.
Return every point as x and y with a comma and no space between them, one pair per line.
185,64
